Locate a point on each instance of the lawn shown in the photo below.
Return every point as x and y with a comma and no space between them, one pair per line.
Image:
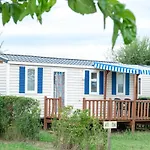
120,141
44,143
129,141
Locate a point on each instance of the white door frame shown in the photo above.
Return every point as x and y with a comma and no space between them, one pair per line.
60,70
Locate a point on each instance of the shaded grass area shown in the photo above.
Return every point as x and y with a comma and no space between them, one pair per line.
44,143
17,146
120,141
129,141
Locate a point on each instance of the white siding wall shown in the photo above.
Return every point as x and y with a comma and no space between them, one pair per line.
75,86
3,73
145,85
14,85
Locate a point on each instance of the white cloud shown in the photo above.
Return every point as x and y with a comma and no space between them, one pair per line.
63,22
89,51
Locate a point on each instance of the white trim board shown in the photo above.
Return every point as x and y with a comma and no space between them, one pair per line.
51,65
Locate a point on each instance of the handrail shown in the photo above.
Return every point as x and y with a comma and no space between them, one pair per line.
118,109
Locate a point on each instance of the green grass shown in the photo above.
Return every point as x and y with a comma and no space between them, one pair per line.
46,137
129,141
119,141
44,143
17,146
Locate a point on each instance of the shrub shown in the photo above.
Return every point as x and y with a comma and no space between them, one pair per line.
144,98
19,117
78,131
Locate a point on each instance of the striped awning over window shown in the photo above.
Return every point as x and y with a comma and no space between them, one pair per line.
118,67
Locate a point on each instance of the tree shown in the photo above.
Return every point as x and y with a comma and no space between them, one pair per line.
138,52
123,19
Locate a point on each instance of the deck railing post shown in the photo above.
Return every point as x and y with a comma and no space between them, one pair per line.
134,102
84,105
110,109
59,107
45,112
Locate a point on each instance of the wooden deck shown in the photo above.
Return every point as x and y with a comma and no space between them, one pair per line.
112,110
119,110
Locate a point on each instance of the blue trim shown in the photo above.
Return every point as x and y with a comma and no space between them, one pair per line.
127,84
123,68
101,82
40,80
86,82
21,79
113,83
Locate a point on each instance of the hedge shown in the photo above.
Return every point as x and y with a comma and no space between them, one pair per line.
19,117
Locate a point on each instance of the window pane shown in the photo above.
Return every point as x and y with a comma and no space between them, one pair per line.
120,88
31,80
139,91
93,86
93,75
120,78
120,81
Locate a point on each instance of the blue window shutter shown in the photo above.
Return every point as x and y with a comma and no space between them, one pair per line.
113,83
127,84
40,80
21,79
86,82
101,82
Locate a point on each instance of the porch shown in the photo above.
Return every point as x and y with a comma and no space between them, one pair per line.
113,110
120,110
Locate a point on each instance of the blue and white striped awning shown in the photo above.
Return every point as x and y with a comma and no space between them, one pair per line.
118,67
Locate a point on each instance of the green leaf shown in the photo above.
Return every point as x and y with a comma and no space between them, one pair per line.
16,10
0,7
5,13
115,34
23,14
31,7
127,14
50,4
82,6
102,4
25,11
128,31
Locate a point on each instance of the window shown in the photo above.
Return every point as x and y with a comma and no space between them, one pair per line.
94,82
139,86
31,80
120,83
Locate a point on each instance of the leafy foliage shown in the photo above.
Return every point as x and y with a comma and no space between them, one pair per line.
78,131
19,117
123,19
138,52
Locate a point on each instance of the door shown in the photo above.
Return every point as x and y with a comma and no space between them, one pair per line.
59,85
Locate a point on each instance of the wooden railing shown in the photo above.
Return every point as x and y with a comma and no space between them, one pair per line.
120,110
52,108
143,110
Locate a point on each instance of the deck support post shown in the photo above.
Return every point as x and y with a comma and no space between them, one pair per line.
45,112
105,90
105,84
134,102
84,105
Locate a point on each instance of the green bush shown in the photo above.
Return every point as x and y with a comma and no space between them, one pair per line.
19,117
78,131
144,98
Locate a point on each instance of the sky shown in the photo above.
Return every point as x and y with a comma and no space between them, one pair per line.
67,34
